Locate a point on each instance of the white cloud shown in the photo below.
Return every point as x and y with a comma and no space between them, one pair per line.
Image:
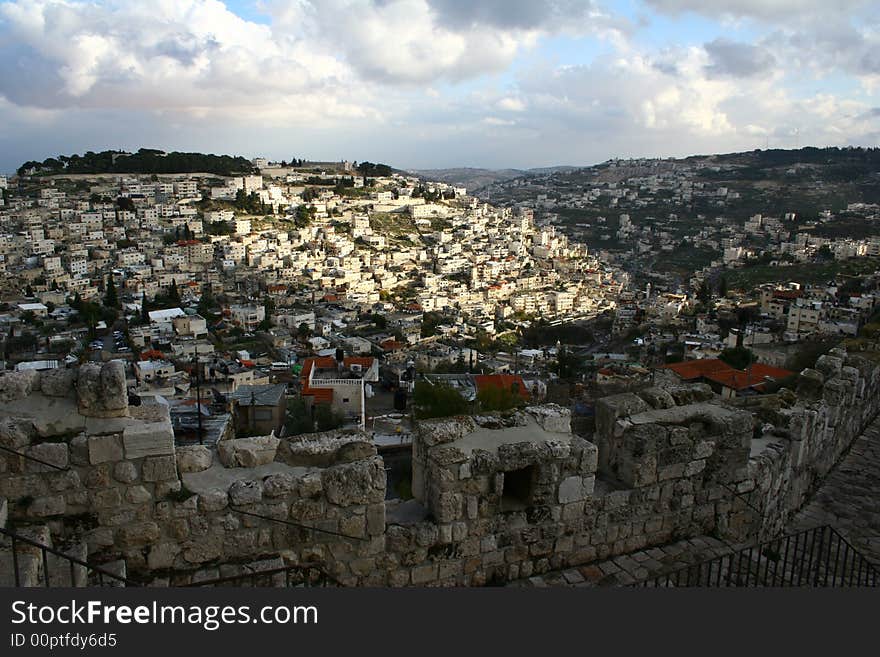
494,120
391,77
511,104
775,10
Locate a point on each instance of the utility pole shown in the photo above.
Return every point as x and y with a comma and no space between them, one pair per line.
198,398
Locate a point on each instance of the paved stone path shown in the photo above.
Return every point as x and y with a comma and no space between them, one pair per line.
849,498
633,567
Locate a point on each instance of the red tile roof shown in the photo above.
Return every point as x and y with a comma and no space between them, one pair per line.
504,381
694,369
717,371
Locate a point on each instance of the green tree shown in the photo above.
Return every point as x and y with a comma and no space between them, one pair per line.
722,287
298,419
326,418
173,293
704,293
111,300
738,357
438,400
498,399
567,365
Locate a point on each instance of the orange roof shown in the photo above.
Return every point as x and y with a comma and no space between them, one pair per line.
786,294
740,380
326,394
503,381
694,369
713,369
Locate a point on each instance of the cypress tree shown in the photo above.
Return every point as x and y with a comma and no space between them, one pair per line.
111,300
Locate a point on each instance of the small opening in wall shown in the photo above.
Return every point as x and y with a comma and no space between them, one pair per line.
516,493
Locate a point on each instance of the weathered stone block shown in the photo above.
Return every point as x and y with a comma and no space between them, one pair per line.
247,452
56,454
278,485
694,468
15,433
213,500
125,472
59,382
108,498
137,495
42,507
245,492
354,526
194,458
101,390
657,397
137,534
103,449
205,548
376,519
159,468
551,417
354,483
424,574
704,448
165,488
309,485
162,555
575,489
18,385
148,439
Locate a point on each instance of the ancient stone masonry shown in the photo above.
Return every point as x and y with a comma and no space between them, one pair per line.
173,514
497,497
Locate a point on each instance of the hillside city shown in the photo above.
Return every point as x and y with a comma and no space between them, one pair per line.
217,331
592,277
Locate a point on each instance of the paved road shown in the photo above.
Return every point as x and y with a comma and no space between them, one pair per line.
849,498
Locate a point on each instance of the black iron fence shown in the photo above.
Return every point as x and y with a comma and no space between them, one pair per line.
28,563
818,557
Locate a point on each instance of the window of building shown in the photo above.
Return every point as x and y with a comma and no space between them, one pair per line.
516,492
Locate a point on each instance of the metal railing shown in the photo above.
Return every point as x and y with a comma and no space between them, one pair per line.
817,557
34,564
306,575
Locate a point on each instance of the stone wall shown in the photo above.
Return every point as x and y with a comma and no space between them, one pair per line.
127,493
497,497
802,440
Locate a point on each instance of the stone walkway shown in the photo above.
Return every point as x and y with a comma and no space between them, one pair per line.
849,498
633,567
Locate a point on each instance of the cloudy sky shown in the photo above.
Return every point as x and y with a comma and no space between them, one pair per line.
437,83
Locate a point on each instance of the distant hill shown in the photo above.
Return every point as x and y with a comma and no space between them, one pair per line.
469,177
144,161
475,178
